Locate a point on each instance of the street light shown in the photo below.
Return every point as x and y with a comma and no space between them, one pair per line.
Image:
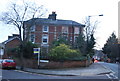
96,15
92,16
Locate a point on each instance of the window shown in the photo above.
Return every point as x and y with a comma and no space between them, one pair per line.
32,38
64,29
32,28
75,38
45,28
70,38
45,39
76,30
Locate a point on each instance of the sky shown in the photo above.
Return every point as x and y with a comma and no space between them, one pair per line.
76,10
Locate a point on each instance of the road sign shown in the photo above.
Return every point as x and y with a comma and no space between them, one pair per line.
36,50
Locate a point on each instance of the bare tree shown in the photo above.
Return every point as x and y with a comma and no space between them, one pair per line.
89,31
17,14
90,27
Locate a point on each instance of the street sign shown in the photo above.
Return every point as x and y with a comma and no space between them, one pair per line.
36,50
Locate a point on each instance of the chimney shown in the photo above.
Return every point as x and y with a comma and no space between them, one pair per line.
52,16
15,35
9,37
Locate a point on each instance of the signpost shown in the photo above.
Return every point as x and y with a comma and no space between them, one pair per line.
37,51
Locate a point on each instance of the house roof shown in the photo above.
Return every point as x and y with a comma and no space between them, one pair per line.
46,21
10,39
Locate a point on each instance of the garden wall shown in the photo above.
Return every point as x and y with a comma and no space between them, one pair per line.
65,64
30,63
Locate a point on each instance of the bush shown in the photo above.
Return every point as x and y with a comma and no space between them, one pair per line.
27,50
63,52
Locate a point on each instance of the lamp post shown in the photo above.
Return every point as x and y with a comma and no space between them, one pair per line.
92,16
96,15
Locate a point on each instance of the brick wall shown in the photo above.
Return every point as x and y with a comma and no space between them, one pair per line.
10,45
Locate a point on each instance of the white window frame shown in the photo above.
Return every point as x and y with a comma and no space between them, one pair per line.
63,29
70,38
75,38
75,28
33,38
32,28
47,28
45,37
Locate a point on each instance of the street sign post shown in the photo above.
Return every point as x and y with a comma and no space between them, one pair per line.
37,51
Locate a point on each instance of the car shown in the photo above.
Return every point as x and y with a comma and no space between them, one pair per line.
8,63
1,61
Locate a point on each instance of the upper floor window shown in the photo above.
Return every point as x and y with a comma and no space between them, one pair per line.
76,30
45,28
32,28
64,29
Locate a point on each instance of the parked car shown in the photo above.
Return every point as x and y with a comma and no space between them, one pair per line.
8,63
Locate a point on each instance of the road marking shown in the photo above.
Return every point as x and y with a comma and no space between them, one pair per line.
23,71
111,76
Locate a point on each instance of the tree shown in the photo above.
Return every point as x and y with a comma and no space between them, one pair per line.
18,13
90,45
111,47
81,44
27,50
86,41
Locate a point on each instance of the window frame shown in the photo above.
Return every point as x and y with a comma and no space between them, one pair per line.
32,28
64,29
75,38
32,38
45,37
78,32
44,28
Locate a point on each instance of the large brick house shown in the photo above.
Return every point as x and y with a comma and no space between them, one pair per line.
42,31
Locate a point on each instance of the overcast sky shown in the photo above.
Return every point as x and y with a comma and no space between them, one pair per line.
75,10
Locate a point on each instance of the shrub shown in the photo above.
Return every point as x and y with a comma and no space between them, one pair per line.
63,52
27,50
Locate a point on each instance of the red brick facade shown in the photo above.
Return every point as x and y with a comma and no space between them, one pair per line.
53,33
43,31
9,45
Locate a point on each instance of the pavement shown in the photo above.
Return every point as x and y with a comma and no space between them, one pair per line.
93,69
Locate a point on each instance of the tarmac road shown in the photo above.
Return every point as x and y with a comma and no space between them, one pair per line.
15,74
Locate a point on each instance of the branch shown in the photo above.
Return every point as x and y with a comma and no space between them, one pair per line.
16,12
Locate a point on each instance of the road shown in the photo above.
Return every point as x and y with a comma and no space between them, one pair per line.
15,74
115,68
8,75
